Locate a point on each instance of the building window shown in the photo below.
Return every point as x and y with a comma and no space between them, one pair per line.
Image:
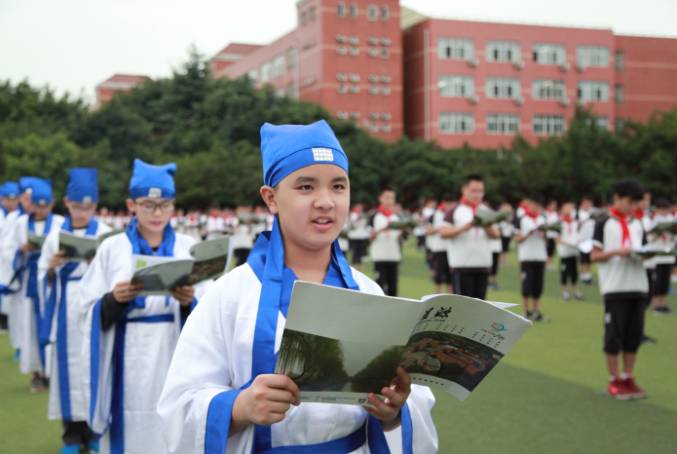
279,65
353,10
549,90
385,13
343,115
456,86
618,94
455,49
265,72
549,54
503,52
602,122
291,57
619,60
456,123
502,88
341,9
620,124
592,56
372,12
549,125
591,91
503,124
253,75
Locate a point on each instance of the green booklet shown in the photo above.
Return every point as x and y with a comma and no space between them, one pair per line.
339,345
552,227
159,275
487,216
79,248
665,227
36,240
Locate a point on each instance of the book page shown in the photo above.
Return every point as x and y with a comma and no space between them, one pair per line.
159,274
77,248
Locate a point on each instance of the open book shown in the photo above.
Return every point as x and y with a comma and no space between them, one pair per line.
553,227
649,250
78,248
338,345
403,224
159,275
665,227
36,240
487,216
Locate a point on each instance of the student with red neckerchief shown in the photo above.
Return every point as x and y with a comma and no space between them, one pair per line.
567,249
385,246
623,284
469,250
532,255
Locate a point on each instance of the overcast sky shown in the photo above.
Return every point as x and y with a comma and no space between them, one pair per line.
71,45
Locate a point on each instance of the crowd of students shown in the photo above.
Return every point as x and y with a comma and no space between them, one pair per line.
193,371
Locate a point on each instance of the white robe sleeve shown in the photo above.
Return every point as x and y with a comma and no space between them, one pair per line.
196,402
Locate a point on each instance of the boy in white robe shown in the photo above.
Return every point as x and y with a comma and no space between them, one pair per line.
61,324
29,310
221,394
129,339
9,205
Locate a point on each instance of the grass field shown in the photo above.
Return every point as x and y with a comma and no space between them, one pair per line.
547,396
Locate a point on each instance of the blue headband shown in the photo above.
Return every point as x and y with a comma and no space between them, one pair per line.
288,148
152,181
83,185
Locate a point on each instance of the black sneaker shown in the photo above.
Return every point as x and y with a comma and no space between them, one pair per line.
648,339
662,310
536,316
529,314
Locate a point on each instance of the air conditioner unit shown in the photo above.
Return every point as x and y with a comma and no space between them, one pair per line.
340,38
354,40
474,62
354,51
564,102
580,68
518,64
372,78
354,77
519,100
565,66
341,50
474,99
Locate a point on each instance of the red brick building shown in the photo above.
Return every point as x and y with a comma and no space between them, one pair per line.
117,83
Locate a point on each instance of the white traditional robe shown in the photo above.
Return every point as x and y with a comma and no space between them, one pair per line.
23,306
7,253
214,357
67,396
151,335
6,268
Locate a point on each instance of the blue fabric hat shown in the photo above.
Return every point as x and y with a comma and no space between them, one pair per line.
288,148
83,185
41,191
25,184
10,189
152,181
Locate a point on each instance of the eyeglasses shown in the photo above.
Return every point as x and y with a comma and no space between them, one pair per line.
149,207
81,208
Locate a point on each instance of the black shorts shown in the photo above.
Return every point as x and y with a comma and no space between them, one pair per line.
585,258
533,274
550,246
441,271
494,263
471,282
358,250
623,322
568,270
661,279
505,243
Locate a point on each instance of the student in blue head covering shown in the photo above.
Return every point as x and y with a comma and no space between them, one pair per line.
61,326
221,392
129,338
9,201
28,232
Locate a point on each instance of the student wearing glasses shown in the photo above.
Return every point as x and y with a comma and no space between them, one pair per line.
130,339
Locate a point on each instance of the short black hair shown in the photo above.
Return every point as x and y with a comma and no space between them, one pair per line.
663,204
472,177
387,188
629,188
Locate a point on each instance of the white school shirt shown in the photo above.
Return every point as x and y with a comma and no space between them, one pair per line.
551,217
148,347
570,236
620,275
214,354
386,246
470,249
79,404
532,249
435,241
359,226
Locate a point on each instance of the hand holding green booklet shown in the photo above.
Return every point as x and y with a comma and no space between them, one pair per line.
159,275
339,345
402,225
650,250
36,240
78,248
553,227
486,216
665,227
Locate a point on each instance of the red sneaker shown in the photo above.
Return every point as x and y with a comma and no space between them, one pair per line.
618,390
635,391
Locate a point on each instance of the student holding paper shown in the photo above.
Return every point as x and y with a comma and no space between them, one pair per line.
663,263
129,339
385,243
61,324
567,249
221,392
38,221
470,244
623,284
532,255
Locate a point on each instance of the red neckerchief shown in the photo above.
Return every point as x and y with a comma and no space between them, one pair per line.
384,211
625,231
639,214
473,206
532,214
